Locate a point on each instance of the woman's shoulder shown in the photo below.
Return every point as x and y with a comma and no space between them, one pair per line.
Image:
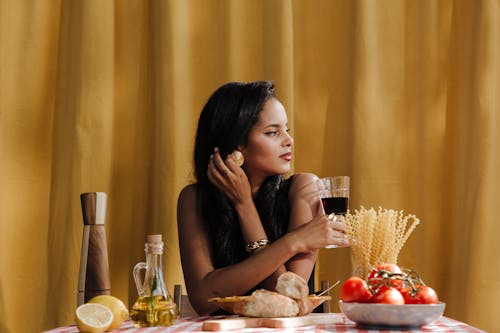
188,208
299,180
187,194
303,185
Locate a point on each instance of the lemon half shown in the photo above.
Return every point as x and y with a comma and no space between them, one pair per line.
93,318
120,311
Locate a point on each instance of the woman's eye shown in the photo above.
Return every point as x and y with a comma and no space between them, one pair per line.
271,133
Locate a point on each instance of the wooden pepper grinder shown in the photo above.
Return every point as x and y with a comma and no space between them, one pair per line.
93,279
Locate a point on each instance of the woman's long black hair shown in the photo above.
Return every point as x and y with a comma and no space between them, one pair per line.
225,122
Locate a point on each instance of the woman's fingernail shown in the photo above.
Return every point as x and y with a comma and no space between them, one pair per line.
216,149
211,156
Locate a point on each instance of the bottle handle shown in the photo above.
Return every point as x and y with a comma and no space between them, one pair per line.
137,278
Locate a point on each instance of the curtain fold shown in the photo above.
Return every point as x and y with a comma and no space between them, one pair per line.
472,171
105,96
82,136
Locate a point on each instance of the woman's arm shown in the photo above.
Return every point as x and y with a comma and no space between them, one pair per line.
232,180
203,281
305,205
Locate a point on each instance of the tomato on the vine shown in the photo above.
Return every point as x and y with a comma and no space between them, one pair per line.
393,268
384,276
421,295
388,296
355,289
388,284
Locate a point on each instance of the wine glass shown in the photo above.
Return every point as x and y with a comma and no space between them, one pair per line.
334,195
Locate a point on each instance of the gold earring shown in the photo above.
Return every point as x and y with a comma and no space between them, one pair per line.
238,157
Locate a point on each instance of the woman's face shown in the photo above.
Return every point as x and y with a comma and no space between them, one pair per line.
269,148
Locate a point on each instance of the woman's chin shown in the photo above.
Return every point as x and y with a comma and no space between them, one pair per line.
286,170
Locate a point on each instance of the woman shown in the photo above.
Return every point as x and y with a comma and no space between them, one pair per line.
242,227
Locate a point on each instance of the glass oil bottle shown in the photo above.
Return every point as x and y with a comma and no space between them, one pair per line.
154,307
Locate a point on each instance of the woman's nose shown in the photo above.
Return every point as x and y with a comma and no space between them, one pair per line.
288,140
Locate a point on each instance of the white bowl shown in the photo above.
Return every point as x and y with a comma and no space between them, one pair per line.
407,315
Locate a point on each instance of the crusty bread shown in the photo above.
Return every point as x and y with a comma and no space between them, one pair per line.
267,304
292,285
305,306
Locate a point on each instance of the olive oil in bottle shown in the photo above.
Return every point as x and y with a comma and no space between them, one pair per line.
154,307
153,311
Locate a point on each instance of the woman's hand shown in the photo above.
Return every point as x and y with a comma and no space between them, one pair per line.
321,231
229,178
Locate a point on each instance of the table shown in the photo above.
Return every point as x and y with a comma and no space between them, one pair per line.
443,324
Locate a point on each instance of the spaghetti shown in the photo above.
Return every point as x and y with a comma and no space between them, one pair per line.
377,237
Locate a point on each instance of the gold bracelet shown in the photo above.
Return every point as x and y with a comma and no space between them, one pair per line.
252,246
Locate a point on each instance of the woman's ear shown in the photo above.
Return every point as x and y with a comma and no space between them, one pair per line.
241,149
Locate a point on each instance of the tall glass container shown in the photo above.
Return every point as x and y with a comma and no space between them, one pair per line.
154,306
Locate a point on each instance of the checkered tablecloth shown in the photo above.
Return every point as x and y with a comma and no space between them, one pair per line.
443,324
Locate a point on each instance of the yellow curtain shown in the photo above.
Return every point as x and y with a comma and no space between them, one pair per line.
104,96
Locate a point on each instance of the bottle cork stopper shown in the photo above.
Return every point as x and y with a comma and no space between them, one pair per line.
153,238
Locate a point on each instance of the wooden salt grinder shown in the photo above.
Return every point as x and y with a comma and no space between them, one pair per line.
93,278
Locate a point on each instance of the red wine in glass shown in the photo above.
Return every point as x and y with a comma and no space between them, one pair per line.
337,205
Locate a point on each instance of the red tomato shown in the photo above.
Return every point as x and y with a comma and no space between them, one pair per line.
388,296
393,268
380,273
355,289
423,295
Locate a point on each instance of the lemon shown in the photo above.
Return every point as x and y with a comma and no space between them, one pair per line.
93,318
120,311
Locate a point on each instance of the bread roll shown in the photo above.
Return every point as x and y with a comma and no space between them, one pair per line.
238,157
305,306
292,285
267,304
